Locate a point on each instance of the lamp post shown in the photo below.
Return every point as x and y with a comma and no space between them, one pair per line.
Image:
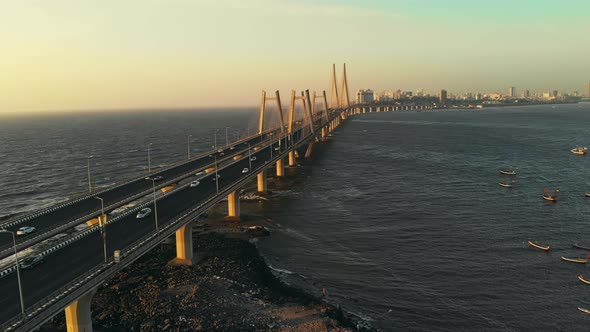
102,220
149,159
216,176
249,157
188,146
215,140
226,142
20,287
88,168
155,204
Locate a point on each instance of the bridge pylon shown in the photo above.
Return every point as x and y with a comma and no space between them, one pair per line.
339,98
263,101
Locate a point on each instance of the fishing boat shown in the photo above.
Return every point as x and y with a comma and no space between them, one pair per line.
550,195
508,172
586,311
587,194
579,150
575,260
538,246
581,247
586,281
505,185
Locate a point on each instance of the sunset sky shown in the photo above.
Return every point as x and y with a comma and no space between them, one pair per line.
111,54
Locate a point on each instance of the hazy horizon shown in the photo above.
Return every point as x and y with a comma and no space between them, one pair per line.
68,55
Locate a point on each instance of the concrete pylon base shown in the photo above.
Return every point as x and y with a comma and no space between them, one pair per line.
79,315
184,245
180,261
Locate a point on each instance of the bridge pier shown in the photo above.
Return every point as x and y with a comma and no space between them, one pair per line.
291,158
261,179
281,167
184,245
309,150
79,315
324,134
233,204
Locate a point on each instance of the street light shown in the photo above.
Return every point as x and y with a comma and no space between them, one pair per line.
249,156
102,220
155,205
89,183
216,176
215,140
20,287
149,159
188,146
226,142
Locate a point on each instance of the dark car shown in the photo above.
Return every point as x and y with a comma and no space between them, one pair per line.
31,261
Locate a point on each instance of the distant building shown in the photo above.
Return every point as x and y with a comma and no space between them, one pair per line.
365,96
420,93
526,94
588,89
442,96
512,92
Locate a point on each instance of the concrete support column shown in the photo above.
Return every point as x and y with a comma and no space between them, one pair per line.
324,135
233,204
262,186
292,158
281,166
184,245
79,315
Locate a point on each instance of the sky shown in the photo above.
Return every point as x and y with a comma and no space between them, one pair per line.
113,54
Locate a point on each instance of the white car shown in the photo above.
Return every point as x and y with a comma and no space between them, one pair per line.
217,176
143,213
233,147
253,159
31,261
245,170
25,230
277,148
199,173
194,183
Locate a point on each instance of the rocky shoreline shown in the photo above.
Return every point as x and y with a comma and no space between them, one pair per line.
229,288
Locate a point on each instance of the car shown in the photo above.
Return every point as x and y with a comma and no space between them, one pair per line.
233,147
143,213
221,154
195,183
217,176
31,261
277,148
199,173
253,159
158,178
220,150
25,230
245,170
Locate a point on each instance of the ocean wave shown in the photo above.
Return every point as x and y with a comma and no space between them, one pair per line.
280,270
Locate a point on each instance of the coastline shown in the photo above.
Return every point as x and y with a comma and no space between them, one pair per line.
229,287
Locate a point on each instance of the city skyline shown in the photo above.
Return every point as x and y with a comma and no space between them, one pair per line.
72,55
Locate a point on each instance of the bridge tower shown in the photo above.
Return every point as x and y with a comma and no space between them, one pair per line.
325,126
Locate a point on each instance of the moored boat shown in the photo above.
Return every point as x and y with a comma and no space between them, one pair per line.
505,185
586,311
587,194
579,150
538,246
575,260
550,195
581,247
586,281
507,172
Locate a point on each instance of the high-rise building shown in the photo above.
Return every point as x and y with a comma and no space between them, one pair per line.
365,96
442,96
588,89
512,92
526,94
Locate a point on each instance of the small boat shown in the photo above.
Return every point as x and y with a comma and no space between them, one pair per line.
586,311
586,281
575,260
550,195
587,194
579,150
507,172
505,185
581,247
538,246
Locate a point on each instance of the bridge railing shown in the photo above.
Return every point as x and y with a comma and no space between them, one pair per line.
49,306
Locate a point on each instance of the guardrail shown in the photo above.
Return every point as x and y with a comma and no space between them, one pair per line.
34,214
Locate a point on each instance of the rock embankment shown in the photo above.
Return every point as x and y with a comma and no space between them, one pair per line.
229,288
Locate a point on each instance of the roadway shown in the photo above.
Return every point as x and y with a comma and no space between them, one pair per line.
68,263
122,194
